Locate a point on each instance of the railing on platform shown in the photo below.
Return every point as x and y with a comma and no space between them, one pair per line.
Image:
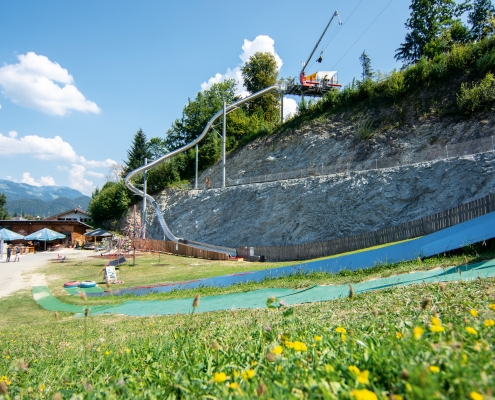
407,230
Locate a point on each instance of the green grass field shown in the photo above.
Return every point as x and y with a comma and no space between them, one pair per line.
415,342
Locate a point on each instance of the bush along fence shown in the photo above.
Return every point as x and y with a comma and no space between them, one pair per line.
408,230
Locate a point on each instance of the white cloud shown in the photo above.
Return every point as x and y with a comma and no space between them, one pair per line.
262,43
290,107
36,82
98,175
77,179
44,180
46,149
54,149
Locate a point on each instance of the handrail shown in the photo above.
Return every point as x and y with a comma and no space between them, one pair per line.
127,180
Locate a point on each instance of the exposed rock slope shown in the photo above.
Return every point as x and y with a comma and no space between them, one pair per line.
324,207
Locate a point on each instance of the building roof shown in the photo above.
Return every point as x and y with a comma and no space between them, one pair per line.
43,221
74,210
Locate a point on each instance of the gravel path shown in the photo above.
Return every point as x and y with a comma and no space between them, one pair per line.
20,275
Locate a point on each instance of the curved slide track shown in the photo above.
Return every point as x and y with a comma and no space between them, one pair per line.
166,230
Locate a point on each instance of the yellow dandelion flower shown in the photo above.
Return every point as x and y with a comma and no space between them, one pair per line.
288,344
5,379
276,350
474,313
339,329
363,394
475,396
471,330
489,322
253,363
343,337
219,377
127,351
7,357
236,373
354,369
492,306
317,338
437,328
363,377
279,368
234,385
399,335
464,358
435,321
248,374
329,368
42,387
299,346
418,332
434,369
107,353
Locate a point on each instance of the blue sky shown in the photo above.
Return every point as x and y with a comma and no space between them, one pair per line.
78,79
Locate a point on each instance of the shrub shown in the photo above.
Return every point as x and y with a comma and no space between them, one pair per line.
478,96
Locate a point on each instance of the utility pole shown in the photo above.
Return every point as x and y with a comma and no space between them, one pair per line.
224,137
143,218
196,179
134,241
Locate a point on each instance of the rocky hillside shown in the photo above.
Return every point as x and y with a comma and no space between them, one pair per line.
308,209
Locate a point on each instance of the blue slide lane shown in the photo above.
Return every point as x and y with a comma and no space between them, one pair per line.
455,237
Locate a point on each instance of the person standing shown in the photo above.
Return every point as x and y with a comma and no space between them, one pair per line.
9,252
17,252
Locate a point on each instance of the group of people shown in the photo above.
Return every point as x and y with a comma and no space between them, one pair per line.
9,253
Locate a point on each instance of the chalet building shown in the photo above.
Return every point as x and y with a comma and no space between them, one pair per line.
76,214
73,230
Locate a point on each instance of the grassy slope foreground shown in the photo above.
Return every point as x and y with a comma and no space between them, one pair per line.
422,341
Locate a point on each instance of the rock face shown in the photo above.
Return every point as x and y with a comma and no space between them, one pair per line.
311,209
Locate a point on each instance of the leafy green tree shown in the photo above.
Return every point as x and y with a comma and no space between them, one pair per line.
366,65
157,147
110,203
456,33
480,18
196,113
3,211
260,72
427,19
138,152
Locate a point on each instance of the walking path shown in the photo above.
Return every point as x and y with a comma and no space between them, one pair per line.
20,275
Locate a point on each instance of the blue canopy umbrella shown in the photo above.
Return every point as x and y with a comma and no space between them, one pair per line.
45,235
8,235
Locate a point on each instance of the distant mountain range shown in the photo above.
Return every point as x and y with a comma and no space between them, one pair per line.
41,200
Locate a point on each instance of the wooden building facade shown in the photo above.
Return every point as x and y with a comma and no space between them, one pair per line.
73,230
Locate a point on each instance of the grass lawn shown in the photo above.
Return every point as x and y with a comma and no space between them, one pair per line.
415,342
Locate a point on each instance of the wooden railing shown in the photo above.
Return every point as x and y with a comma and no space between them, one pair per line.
408,230
178,249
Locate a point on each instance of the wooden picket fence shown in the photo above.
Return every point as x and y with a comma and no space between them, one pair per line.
408,230
179,249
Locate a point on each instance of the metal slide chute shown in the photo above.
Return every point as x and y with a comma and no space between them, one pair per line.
127,180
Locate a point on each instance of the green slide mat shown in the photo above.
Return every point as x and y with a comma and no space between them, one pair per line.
258,298
76,290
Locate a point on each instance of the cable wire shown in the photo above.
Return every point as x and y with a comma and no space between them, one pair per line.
369,26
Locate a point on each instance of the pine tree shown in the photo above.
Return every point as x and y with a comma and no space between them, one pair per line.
366,64
428,18
138,152
480,18
3,211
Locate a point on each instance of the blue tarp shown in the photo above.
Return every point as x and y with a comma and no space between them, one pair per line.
455,237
